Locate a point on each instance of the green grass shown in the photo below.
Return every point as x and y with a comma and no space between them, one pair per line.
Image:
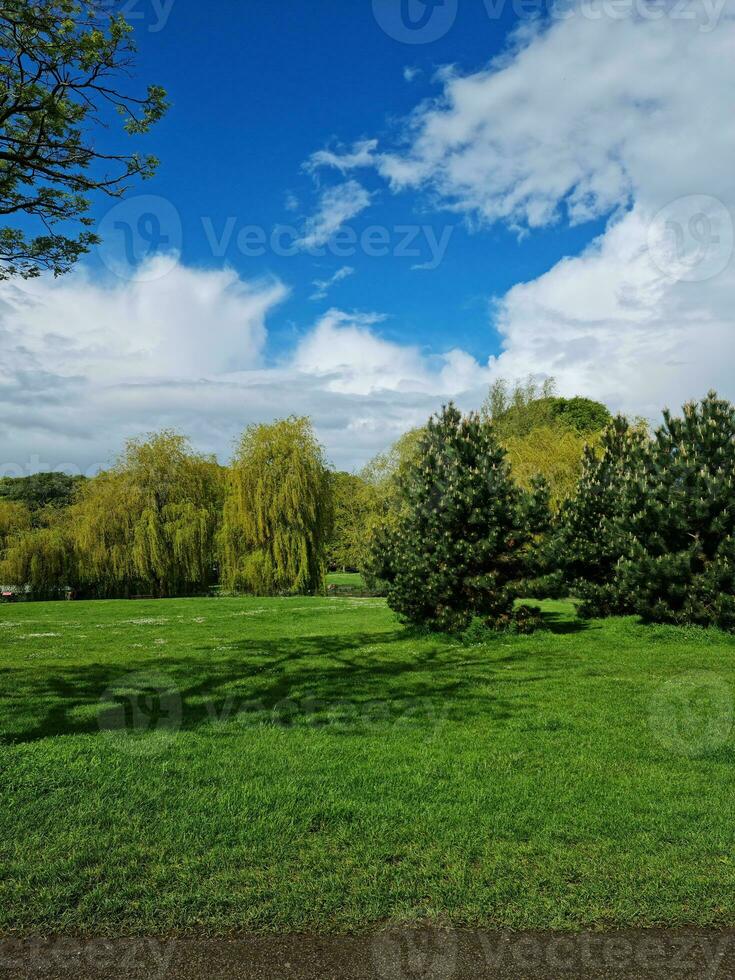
346,578
581,776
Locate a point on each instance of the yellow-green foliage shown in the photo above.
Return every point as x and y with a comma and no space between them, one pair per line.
40,556
151,521
551,451
102,528
277,513
383,500
355,503
385,472
542,434
366,501
15,519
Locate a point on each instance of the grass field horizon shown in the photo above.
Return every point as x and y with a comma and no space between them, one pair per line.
312,764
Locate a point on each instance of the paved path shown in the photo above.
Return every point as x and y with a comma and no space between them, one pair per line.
395,954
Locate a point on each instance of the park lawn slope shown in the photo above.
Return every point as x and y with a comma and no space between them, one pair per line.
311,764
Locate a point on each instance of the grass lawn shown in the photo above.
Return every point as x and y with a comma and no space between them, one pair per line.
311,764
346,578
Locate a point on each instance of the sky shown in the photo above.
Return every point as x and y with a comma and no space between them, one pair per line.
364,210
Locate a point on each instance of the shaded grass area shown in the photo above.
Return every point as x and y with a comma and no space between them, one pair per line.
289,764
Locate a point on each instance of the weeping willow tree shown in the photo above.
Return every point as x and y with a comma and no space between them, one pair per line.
384,503
37,556
353,502
149,524
15,519
103,525
277,513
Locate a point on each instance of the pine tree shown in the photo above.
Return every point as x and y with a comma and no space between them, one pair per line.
592,533
682,516
463,535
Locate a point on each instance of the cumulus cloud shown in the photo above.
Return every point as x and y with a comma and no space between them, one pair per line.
608,324
171,322
622,118
586,115
87,364
644,317
344,352
349,357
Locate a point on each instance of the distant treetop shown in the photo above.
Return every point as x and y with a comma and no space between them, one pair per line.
40,489
582,414
517,411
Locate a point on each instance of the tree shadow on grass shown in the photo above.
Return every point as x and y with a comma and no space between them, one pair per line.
562,625
350,683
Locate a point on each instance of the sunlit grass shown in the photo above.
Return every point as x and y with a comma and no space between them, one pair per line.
353,579
310,763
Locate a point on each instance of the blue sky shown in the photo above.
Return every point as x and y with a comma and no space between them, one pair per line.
551,186
256,88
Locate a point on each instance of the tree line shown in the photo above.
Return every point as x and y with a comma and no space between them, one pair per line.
168,521
532,496
165,520
649,528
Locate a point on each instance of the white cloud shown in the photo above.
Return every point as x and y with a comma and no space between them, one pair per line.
291,202
585,115
410,73
350,357
617,322
336,206
181,323
362,154
610,325
324,285
87,364
591,117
